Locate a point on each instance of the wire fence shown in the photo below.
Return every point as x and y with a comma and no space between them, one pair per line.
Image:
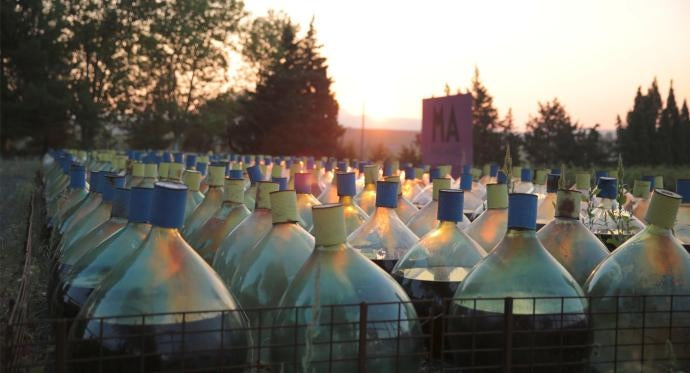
612,334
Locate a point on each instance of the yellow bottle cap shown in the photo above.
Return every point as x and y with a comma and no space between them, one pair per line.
216,175
486,169
233,190
163,169
202,159
371,173
277,171
497,196
439,183
329,224
295,168
395,166
540,177
568,204
175,171
263,193
641,188
659,182
284,207
418,173
262,168
517,171
476,173
138,169
445,170
151,170
663,208
582,181
192,179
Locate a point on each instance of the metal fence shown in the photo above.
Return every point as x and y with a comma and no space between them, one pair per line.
614,334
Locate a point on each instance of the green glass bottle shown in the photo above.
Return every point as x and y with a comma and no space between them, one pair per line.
525,184
109,228
410,186
246,234
426,195
305,200
150,174
433,268
547,206
405,209
383,238
681,229
652,266
89,271
641,192
211,202
366,199
569,241
554,328
89,203
474,204
192,179
163,307
95,217
425,219
232,211
266,270
489,228
354,215
607,206
70,201
323,300
60,187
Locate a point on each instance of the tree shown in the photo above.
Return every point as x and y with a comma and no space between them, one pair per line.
34,107
292,110
666,151
551,136
509,138
379,153
486,127
684,123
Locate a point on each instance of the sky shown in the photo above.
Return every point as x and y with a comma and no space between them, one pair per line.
386,56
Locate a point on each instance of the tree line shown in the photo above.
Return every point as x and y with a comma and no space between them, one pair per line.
653,133
192,74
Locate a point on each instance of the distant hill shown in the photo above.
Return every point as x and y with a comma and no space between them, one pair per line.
393,140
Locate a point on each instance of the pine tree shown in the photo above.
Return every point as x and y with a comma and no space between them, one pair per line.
684,124
292,110
485,129
509,138
670,130
550,138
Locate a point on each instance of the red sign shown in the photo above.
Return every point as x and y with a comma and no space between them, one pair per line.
447,131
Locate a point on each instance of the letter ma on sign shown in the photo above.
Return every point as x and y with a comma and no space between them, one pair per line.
447,131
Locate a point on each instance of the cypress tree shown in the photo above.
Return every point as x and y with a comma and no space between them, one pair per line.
485,124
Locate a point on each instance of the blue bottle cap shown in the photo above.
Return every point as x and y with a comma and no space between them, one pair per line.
409,173
434,173
281,181
608,187
167,157
140,200
387,169
522,211
235,174
342,166
190,161
501,177
138,155
526,175
247,159
202,167
345,182
552,183
556,171
598,174
328,165
466,169
130,154
268,161
652,181
450,204
169,199
178,157
120,203
466,182
77,176
254,173
150,159
387,194
360,166
95,181
310,163
493,170
303,182
109,182
683,189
